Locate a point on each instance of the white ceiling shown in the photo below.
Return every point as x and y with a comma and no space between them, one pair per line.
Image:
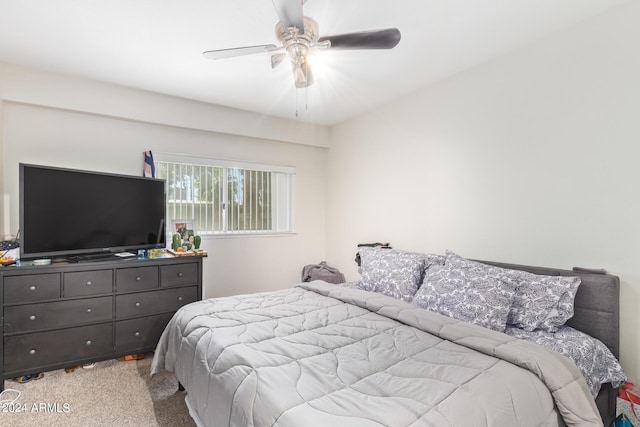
157,45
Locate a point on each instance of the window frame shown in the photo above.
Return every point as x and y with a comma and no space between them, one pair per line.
283,201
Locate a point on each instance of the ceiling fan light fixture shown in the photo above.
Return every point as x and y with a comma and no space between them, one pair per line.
297,52
302,75
277,59
298,46
311,59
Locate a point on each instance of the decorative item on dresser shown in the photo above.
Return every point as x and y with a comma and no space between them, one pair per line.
67,314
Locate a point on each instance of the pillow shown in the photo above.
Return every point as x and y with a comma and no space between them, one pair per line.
541,302
564,310
433,259
467,291
391,272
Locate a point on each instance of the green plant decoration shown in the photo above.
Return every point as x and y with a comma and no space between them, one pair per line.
196,241
176,242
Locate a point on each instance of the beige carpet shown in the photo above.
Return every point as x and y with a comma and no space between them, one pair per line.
110,394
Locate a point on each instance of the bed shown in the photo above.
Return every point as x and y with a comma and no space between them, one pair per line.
320,354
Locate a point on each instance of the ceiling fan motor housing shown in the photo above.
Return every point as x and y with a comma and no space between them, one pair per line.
295,44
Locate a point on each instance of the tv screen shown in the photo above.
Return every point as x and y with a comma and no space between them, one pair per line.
70,212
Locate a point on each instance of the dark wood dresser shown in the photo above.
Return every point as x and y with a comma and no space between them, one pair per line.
63,315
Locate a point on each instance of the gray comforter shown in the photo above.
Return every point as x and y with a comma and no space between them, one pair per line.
325,355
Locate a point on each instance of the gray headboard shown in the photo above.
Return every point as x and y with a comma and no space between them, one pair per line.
596,312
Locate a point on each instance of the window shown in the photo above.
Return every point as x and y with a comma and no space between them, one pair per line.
225,197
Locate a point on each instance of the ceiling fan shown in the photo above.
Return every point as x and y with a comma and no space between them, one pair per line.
299,39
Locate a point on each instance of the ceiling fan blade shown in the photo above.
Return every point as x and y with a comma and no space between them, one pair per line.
238,51
302,75
374,39
290,13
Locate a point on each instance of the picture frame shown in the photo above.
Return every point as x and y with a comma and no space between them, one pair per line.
186,228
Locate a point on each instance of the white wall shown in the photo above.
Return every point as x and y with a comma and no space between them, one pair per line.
4,224
532,158
62,121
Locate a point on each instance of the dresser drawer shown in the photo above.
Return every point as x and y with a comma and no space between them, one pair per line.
31,351
48,315
138,334
82,283
179,274
154,302
31,287
136,279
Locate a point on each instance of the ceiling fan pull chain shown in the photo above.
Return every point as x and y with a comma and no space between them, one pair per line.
296,102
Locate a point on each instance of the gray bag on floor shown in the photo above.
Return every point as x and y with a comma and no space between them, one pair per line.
322,272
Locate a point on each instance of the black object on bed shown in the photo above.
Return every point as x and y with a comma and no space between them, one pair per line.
596,313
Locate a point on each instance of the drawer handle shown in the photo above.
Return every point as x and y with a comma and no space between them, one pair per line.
137,304
138,279
32,317
137,334
88,342
89,283
88,310
180,274
179,298
32,288
32,351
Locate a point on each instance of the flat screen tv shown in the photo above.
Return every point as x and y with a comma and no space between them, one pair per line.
67,212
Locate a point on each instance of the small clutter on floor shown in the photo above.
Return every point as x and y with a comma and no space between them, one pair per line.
93,365
83,366
26,378
628,406
128,357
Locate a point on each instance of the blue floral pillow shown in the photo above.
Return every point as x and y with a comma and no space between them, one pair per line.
559,314
541,302
467,291
392,272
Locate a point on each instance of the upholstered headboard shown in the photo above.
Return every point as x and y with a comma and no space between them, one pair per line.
596,312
